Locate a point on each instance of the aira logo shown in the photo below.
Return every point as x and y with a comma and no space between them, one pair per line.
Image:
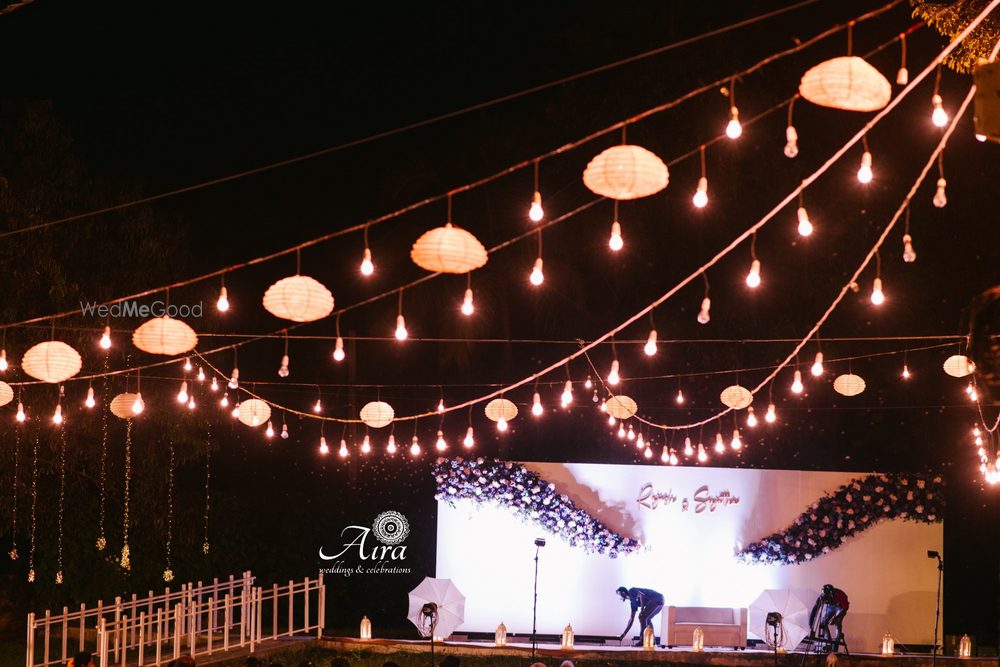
390,529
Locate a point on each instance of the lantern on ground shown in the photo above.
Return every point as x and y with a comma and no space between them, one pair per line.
52,361
698,641
648,639
626,172
567,637
165,335
965,647
299,299
888,645
501,636
448,249
366,628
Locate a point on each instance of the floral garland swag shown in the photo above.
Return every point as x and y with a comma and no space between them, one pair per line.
532,499
856,506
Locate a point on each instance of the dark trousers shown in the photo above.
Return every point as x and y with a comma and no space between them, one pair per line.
646,614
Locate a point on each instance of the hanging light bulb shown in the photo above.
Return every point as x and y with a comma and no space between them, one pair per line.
797,382
751,418
182,395
817,367
595,398
223,303
976,431
325,449
536,273
3,360
616,242
980,137
367,268
215,384
770,416
865,172
665,455
611,420
909,254
906,372
973,396
734,129
391,447
187,364
680,397
441,444
719,445
415,447
236,411
20,412
467,308
366,445
201,374
902,77
90,402
701,193
567,395
753,278
234,379
877,295
792,142
283,369
138,406
703,314
688,449
940,199
736,443
631,434
639,442
106,338
536,406
805,227
469,439
702,456
343,448
400,327
621,430
501,424
225,399
441,405
318,408
269,432
284,431
650,348
604,404
648,453
57,418
535,212
940,116
613,377
588,384
338,350
673,458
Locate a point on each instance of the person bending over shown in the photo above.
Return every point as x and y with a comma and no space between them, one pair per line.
647,602
830,608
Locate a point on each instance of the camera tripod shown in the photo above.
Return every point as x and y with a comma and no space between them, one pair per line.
819,641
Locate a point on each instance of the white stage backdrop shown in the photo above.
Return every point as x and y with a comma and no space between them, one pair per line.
687,556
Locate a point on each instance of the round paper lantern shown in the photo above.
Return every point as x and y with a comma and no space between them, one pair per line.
849,385
299,299
501,408
621,407
448,249
6,393
121,406
847,83
626,172
254,412
165,335
736,397
958,365
377,414
51,361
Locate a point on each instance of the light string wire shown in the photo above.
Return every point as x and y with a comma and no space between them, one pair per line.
483,181
102,541
208,478
17,458
62,499
125,561
168,574
737,242
251,338
423,123
34,507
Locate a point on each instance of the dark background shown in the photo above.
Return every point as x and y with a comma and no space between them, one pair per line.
159,96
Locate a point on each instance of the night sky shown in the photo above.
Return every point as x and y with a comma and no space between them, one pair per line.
170,95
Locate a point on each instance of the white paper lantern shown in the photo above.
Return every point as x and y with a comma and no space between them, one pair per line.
626,172
736,397
121,406
501,408
377,414
165,335
448,249
847,83
299,299
958,365
6,393
254,412
621,407
849,385
52,361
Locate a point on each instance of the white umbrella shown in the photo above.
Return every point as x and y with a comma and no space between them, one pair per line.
794,625
441,598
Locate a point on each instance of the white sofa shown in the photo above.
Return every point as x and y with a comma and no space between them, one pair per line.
723,626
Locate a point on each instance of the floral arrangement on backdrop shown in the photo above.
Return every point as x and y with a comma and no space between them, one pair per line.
856,506
534,500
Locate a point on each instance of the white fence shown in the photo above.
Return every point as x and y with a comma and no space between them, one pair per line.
197,620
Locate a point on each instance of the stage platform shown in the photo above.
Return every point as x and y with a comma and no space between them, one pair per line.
721,657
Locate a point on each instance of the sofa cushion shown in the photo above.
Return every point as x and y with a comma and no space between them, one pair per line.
705,615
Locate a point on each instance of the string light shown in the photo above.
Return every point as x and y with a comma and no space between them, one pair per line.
124,562
215,384
201,374
621,430
940,198
343,449
191,403
688,449
236,411
366,445
467,307
20,412
441,444
940,116
753,278
318,407
631,434
138,406
650,347
865,171
338,350
325,449
390,448
284,430
62,499
770,415
701,192
734,129
3,360
805,226
877,295
664,456
703,314
909,255
751,418
187,364
469,439
611,420
791,136
797,382
680,397
401,333
106,338
604,404
367,268
283,369
57,417
702,456
817,367
719,445
613,377
234,379
17,457
567,395
902,76
168,574
639,442
182,395
673,458
588,384
536,273
415,447
34,504
223,303
536,406
906,372
269,432
648,453
90,402
736,443
616,243
441,405
225,399
501,424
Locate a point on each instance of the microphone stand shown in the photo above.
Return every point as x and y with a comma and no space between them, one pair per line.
937,612
534,607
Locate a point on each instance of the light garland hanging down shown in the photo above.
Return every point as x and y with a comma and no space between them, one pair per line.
62,499
125,561
208,477
102,541
34,506
17,453
168,574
